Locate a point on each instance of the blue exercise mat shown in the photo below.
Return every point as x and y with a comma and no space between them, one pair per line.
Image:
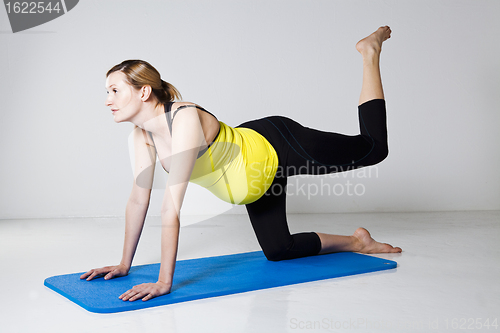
211,277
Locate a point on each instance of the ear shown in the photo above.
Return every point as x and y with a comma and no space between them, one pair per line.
146,92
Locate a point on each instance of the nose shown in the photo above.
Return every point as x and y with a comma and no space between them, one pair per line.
108,102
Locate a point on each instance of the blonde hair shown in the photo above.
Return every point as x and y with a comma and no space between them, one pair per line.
140,73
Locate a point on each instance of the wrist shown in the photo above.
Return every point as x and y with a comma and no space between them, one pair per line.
166,286
125,265
165,279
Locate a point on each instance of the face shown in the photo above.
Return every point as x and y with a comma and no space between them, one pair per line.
123,100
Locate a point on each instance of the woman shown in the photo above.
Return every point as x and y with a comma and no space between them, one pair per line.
247,165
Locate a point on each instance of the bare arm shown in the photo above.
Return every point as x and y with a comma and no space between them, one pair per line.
187,138
138,202
135,213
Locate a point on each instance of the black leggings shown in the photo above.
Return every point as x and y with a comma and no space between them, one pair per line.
303,150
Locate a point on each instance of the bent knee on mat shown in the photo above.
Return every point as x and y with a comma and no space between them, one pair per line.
277,254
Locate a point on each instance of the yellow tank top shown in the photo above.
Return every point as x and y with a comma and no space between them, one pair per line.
238,167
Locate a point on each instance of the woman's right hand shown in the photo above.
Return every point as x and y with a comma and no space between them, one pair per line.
112,271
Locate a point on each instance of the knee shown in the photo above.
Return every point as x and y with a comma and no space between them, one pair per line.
379,153
382,151
299,245
276,254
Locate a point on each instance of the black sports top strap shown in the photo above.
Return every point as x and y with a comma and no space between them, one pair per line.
171,115
186,106
170,119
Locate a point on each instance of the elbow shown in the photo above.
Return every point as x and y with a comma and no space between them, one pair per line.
139,200
139,196
169,213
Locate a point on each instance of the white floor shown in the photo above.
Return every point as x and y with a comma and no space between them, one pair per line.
447,277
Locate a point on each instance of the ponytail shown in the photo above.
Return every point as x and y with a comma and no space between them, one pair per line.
170,91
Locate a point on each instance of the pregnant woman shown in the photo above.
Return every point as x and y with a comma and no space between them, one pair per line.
248,164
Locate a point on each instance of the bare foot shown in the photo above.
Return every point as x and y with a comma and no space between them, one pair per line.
373,43
369,245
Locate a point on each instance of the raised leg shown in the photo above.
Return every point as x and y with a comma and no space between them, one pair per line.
361,241
307,151
370,48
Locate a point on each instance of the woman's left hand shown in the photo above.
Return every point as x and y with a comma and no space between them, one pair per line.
146,291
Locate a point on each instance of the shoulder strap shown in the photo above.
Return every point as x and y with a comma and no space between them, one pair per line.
170,118
190,106
171,115
168,115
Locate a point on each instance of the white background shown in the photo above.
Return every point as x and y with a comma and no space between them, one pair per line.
63,155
